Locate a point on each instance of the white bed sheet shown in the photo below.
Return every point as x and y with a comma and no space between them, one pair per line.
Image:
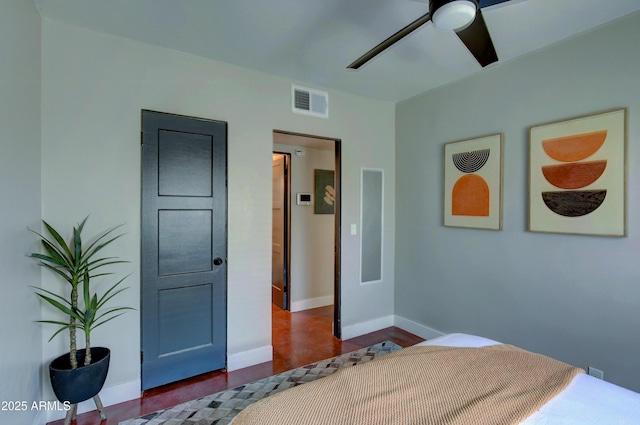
586,401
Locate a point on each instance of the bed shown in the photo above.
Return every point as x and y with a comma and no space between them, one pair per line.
569,396
585,401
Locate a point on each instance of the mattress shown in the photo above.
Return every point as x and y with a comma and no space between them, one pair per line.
586,401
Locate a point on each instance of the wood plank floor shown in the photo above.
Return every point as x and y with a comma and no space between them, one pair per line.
298,339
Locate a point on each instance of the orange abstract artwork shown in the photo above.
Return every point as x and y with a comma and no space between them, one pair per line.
473,183
577,175
574,174
470,196
575,147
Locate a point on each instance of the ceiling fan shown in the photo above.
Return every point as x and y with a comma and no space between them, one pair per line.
462,16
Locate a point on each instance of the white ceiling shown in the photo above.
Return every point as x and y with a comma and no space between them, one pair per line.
313,41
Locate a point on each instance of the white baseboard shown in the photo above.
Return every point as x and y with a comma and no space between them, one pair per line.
109,396
357,329
311,303
249,358
416,328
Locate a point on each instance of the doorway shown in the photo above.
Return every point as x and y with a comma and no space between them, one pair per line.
311,158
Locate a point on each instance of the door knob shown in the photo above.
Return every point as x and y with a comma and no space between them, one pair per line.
217,261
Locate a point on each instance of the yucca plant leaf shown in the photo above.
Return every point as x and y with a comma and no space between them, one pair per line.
86,290
109,292
57,270
77,245
47,260
61,298
88,319
63,308
99,238
55,322
100,274
115,285
64,327
66,310
93,305
111,311
106,298
49,245
103,262
94,263
81,225
110,318
61,242
99,247
56,255
97,244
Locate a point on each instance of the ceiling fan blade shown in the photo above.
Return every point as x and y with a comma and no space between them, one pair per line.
486,3
477,39
390,41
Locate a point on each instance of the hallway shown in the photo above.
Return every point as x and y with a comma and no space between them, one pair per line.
303,337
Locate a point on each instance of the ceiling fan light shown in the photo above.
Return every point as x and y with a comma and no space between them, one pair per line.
454,15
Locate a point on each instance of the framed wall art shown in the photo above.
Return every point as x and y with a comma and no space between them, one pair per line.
577,175
473,183
324,191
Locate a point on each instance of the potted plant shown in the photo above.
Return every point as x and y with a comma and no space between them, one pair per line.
80,374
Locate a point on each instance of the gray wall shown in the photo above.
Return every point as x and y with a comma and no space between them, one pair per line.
576,298
21,352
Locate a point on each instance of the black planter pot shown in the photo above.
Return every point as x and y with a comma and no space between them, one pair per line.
76,385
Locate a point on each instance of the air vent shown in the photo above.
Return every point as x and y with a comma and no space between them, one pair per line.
309,102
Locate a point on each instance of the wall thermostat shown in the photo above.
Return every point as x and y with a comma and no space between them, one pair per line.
303,199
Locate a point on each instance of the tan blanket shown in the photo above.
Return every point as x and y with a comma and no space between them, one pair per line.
499,384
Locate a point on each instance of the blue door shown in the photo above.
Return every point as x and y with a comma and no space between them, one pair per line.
183,248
